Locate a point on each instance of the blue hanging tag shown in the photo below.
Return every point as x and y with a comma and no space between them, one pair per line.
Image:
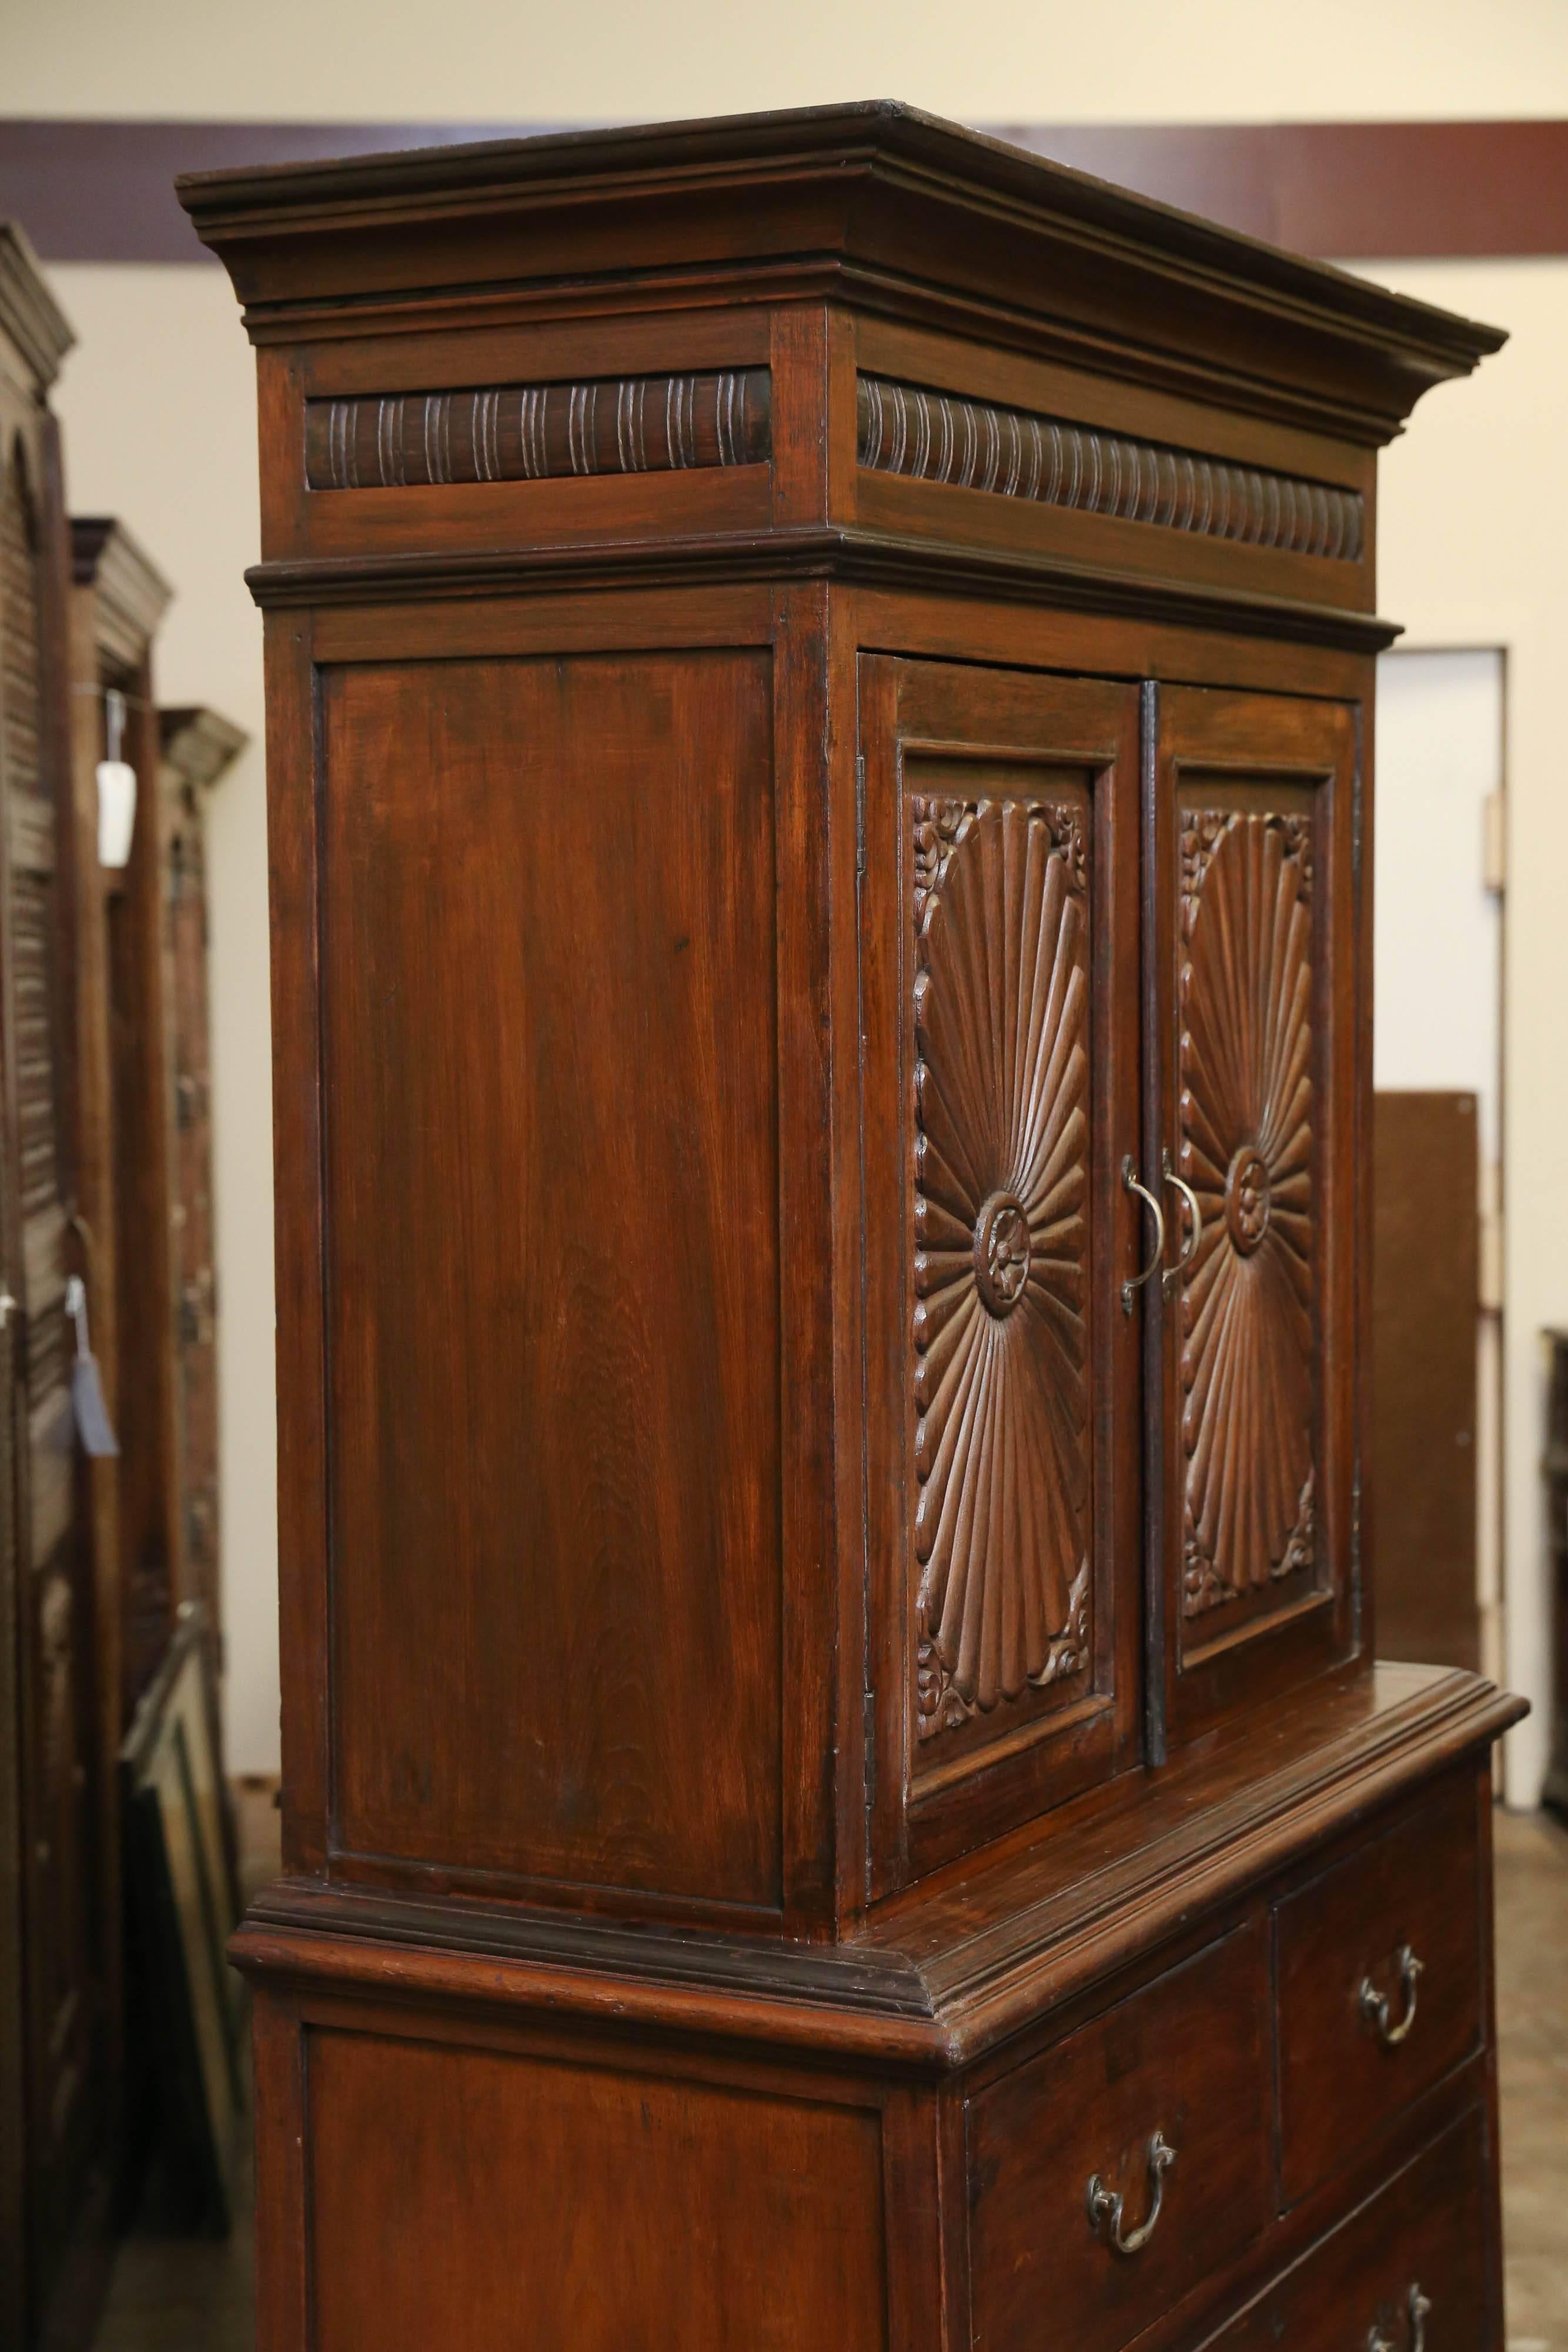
96,1431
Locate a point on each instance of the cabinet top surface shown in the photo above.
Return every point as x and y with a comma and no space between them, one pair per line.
874,203
952,1969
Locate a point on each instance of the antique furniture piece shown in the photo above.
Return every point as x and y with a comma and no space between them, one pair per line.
141,1213
123,1211
57,1938
819,677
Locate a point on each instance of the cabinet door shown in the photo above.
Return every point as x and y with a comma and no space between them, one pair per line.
1000,987
1253,874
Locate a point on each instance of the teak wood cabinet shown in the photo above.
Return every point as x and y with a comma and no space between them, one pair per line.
836,1791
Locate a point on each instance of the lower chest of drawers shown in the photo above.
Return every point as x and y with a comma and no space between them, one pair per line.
1220,2122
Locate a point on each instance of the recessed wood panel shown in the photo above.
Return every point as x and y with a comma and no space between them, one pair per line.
1248,1064
474,2198
1002,1148
552,1196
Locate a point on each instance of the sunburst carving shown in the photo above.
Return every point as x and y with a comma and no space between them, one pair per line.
1247,1151
1001,1149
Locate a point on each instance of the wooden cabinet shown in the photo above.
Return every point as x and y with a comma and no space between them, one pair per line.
58,1928
818,690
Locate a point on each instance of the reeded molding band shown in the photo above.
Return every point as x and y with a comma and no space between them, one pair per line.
526,432
936,436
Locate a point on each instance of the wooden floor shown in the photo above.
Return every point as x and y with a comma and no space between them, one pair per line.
172,2295
1532,2034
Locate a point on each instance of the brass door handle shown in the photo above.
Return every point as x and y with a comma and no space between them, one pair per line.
1416,2307
1189,1200
1106,2205
1376,2008
1130,1183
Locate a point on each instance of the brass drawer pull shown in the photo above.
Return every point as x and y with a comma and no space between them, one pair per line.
1105,2205
1375,2005
1416,2307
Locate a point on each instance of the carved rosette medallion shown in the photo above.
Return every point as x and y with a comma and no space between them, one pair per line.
1001,1253
1245,1148
1001,1166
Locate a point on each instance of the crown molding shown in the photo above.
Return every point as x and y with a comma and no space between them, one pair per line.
29,311
130,593
199,744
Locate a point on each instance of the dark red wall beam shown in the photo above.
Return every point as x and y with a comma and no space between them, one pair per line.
1340,191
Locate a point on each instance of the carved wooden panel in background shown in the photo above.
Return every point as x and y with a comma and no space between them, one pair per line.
524,432
938,437
1001,1174
1245,1149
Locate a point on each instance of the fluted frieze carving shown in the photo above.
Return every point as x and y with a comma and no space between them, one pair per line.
1001,1167
937,436
525,433
1245,1149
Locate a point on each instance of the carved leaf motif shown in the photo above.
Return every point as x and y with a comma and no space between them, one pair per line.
1001,1005
1247,1151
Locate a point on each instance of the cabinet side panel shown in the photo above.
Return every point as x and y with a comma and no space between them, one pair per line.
476,2198
552,1185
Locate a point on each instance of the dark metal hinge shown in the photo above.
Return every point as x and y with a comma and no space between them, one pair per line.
859,815
869,1749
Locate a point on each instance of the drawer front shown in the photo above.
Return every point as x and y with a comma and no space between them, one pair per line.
1186,2059
1412,2271
1363,2028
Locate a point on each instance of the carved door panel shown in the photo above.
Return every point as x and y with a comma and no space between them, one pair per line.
1000,982
1251,932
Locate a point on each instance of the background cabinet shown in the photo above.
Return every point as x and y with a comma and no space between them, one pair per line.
57,1922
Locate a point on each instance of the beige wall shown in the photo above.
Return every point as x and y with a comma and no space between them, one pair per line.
1474,512
1039,60
158,403
159,421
